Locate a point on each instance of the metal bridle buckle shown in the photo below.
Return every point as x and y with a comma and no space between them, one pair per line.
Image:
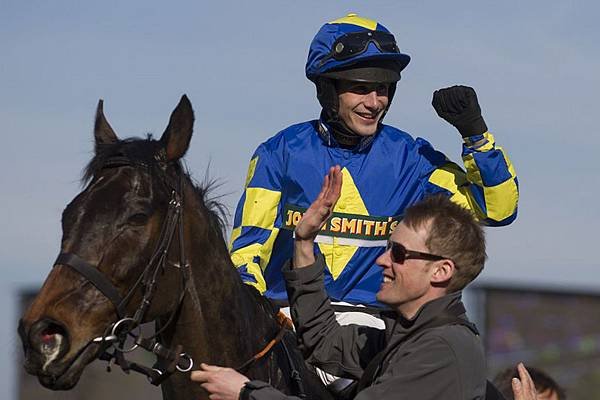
114,332
189,367
158,371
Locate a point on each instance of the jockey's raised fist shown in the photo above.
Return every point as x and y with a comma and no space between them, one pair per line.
458,105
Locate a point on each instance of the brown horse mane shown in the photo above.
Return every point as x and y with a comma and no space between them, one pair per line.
138,151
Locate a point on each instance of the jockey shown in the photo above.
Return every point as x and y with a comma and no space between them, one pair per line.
355,64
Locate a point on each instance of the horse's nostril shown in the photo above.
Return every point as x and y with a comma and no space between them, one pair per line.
49,334
48,337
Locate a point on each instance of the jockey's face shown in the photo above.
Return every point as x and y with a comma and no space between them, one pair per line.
361,105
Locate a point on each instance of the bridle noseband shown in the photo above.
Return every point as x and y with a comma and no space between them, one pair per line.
115,335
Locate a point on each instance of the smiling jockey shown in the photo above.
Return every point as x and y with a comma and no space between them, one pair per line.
355,64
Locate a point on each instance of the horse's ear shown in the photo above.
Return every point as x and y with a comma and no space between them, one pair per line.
103,133
178,134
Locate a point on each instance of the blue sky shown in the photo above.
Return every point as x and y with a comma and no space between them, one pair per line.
534,65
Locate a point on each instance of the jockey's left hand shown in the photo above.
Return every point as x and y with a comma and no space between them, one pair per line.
458,105
222,383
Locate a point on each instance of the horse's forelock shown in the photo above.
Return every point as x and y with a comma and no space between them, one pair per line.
138,151
135,150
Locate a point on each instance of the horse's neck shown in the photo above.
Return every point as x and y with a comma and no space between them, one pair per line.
221,322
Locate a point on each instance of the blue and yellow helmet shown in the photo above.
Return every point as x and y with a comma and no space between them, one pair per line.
355,48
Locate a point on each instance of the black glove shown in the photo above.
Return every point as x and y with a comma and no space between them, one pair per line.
458,105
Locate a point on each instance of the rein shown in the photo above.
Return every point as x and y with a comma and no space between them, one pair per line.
285,324
294,373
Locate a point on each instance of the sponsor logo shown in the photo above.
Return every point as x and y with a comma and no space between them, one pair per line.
343,225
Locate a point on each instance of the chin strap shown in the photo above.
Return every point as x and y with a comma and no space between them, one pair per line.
344,136
328,98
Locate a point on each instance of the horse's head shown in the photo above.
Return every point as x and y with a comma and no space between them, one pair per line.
120,226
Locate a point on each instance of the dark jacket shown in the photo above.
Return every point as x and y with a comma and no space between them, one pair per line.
446,362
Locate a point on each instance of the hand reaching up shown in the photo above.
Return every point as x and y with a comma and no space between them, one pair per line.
523,388
313,219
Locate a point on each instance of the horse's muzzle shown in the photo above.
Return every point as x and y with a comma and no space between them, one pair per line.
45,343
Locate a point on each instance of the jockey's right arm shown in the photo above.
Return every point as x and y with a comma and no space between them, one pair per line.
254,231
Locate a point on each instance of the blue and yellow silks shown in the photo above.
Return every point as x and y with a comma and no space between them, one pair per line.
379,181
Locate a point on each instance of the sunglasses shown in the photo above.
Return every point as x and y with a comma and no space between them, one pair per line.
400,253
352,44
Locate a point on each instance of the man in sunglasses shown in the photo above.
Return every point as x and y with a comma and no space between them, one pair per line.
428,350
355,64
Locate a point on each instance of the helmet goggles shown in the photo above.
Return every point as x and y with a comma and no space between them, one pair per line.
355,43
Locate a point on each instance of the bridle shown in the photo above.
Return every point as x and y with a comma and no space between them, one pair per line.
113,341
115,335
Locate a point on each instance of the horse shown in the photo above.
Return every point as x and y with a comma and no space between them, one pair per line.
142,242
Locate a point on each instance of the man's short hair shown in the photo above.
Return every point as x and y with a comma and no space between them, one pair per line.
453,233
542,381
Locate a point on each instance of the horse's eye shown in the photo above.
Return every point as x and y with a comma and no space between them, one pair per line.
138,219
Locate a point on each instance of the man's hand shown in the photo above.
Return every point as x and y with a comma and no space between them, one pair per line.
313,219
523,388
222,383
459,106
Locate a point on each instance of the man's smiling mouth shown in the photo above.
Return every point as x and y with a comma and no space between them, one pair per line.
368,116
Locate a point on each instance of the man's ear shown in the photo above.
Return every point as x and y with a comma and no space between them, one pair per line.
442,272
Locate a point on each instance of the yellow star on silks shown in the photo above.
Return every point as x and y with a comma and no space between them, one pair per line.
350,202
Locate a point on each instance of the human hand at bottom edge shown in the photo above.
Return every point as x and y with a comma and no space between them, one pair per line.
222,383
523,387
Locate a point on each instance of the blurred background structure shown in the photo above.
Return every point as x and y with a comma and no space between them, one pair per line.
534,65
555,331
